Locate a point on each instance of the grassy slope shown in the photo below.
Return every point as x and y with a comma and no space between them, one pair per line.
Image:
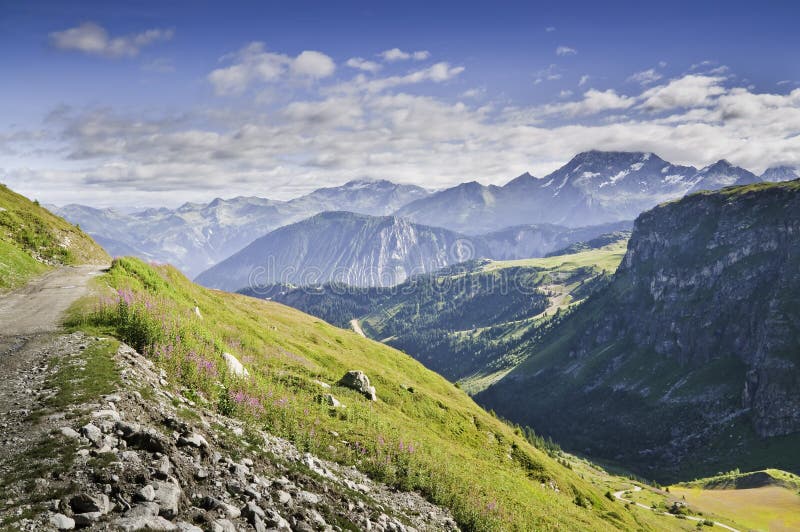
468,322
759,500
32,239
460,456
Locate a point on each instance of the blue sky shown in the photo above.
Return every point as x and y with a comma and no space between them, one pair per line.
157,102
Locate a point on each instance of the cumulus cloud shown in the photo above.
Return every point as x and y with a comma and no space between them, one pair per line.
565,50
646,77
254,64
312,64
688,92
91,38
360,63
396,54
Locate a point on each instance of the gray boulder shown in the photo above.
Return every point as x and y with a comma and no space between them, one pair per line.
358,381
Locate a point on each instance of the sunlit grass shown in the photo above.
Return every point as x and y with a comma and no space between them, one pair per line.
423,433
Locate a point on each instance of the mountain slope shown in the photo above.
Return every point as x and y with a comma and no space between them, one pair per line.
32,239
196,236
421,434
469,321
687,363
362,250
344,247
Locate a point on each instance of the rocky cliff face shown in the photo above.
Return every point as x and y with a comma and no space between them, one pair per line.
695,344
716,275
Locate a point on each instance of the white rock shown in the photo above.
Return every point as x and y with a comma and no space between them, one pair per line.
235,367
70,433
62,522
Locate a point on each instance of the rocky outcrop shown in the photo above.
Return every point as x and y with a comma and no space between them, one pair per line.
162,461
691,351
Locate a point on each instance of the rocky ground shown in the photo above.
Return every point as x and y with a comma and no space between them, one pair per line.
94,437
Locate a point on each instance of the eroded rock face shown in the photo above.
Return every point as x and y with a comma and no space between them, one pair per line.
358,381
691,354
716,276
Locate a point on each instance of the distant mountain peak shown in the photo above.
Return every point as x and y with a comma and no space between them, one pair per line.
781,173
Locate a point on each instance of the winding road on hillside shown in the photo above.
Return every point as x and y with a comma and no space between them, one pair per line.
39,306
357,328
619,495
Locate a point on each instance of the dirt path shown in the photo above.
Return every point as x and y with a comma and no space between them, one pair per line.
357,328
39,306
619,495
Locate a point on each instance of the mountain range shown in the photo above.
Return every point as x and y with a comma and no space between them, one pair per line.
361,250
593,188
196,236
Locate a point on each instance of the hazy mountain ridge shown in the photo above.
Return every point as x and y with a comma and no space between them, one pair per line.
593,188
696,337
196,236
363,250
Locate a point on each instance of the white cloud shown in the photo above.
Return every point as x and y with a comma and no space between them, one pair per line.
312,64
396,54
646,77
550,29
551,73
593,102
368,126
686,92
360,63
436,73
584,80
565,50
254,64
90,38
477,92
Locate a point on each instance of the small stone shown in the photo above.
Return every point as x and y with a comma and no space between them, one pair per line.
130,524
168,497
106,414
62,522
274,520
86,503
284,497
146,494
251,512
92,433
86,519
222,525
144,509
69,433
163,467
308,498
358,381
183,526
331,401
193,440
